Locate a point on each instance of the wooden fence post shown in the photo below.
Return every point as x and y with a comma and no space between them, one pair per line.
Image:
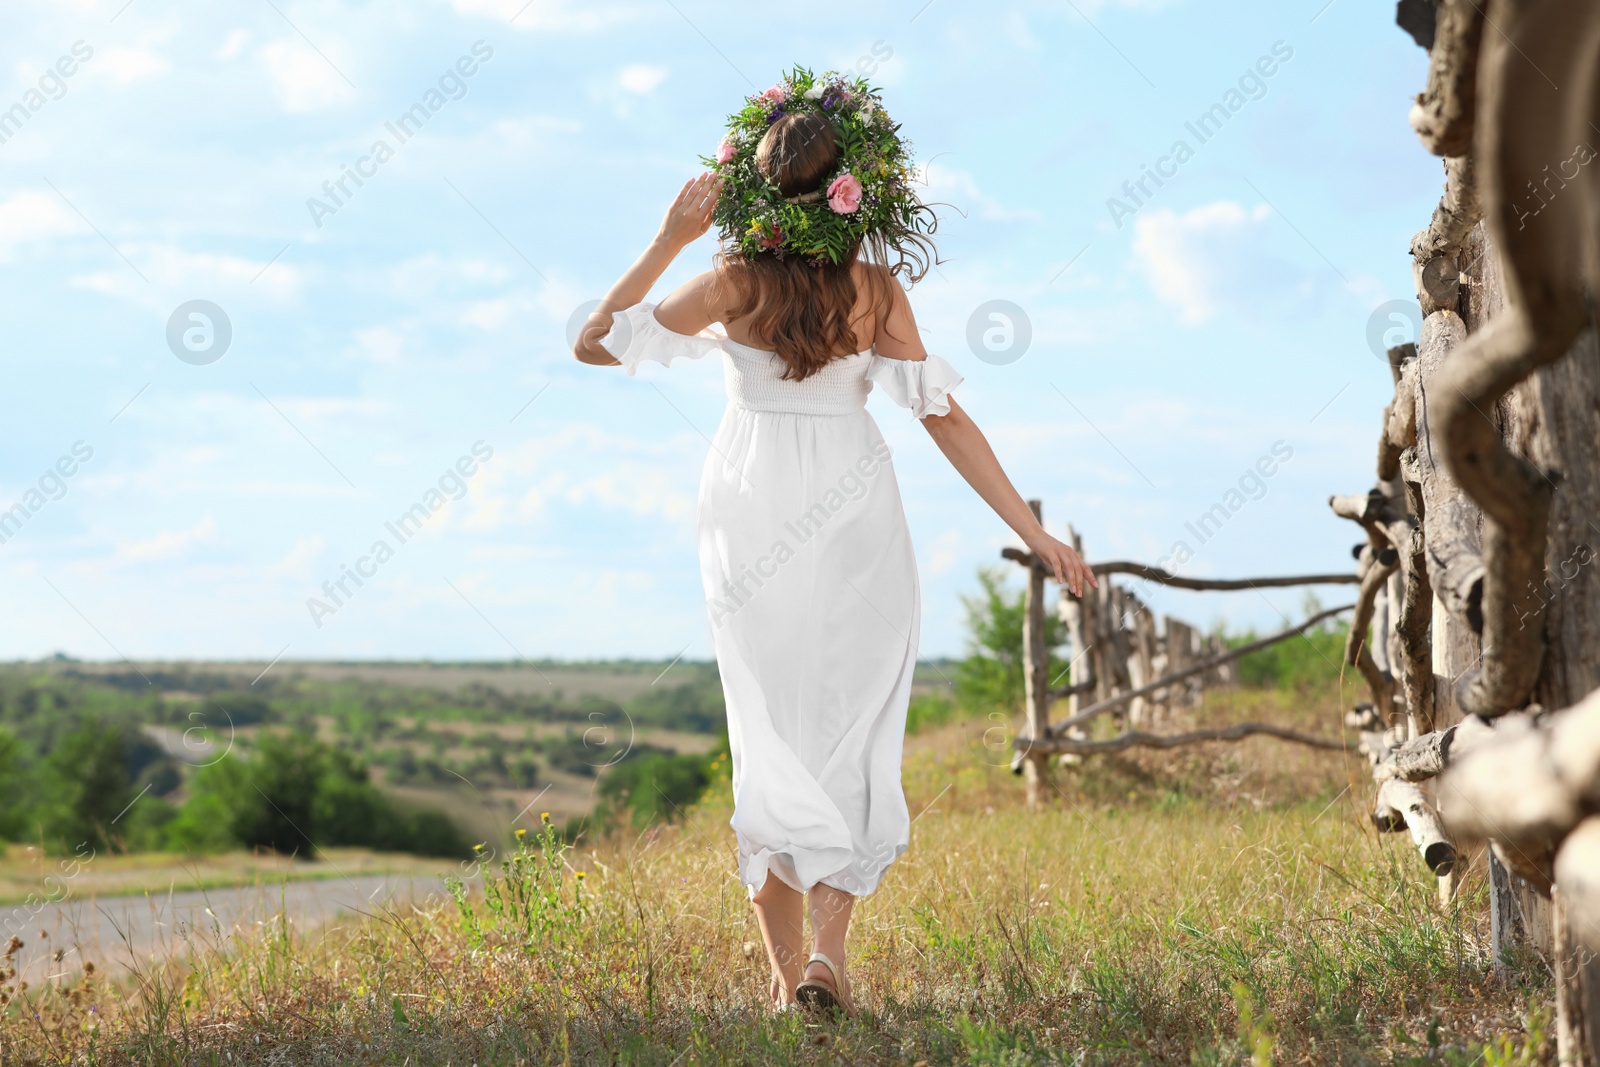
1036,674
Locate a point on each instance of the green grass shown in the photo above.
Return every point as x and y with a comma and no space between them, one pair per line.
1219,905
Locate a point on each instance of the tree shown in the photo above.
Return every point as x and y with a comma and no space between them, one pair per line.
84,786
13,788
991,675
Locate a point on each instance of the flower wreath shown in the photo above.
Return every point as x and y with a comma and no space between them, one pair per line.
868,192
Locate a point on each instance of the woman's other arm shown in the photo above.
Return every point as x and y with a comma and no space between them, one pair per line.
968,451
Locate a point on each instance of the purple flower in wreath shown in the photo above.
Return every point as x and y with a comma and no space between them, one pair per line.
774,115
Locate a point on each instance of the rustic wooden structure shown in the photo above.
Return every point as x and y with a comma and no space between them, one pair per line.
1478,576
1123,666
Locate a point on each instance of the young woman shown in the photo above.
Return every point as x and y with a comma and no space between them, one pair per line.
809,575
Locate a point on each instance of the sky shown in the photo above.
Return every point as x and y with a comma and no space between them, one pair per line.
189,484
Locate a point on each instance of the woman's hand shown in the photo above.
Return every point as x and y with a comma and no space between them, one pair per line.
687,218
1069,567
690,214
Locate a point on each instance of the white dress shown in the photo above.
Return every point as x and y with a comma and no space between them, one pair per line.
811,587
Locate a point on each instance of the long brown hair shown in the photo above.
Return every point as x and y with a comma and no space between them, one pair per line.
803,307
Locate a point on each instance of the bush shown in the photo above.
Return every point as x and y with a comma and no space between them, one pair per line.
928,710
295,793
654,785
233,709
991,675
1311,661
695,707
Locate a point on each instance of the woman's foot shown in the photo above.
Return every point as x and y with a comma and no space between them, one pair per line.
782,999
779,911
826,989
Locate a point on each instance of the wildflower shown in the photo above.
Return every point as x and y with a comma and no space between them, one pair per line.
522,832
544,817
844,194
480,847
581,875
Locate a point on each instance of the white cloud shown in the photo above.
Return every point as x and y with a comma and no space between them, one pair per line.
944,553
304,80
234,45
943,184
171,269
296,563
642,78
167,544
129,65
33,216
488,315
380,344
545,14
1192,260
526,480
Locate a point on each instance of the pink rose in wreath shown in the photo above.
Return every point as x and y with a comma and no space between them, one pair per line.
844,194
773,96
774,240
725,151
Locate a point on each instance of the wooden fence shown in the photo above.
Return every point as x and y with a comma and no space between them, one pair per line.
1121,665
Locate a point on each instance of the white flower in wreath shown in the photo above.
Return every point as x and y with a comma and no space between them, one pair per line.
815,92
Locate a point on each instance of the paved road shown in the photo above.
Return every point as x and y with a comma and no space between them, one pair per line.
121,933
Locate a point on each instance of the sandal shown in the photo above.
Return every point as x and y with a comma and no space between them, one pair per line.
822,995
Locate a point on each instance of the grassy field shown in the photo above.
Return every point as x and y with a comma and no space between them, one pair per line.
28,875
1216,905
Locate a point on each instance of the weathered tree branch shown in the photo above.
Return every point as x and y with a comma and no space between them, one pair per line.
1455,565
1401,427
1131,738
1388,527
1413,626
1357,650
1427,756
1161,577
1403,806
1444,112
1528,785
1201,667
1577,870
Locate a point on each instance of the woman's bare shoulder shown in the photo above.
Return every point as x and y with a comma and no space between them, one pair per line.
896,335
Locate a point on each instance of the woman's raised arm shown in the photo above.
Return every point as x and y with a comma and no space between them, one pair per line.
687,219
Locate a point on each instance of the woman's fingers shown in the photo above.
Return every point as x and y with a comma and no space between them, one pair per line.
708,192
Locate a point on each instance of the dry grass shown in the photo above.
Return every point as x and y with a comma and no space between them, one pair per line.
1225,904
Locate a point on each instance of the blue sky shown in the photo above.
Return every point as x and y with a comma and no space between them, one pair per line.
372,348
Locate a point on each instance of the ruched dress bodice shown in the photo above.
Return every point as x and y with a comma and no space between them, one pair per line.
811,589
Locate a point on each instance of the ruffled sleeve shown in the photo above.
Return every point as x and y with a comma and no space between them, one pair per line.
636,336
921,385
